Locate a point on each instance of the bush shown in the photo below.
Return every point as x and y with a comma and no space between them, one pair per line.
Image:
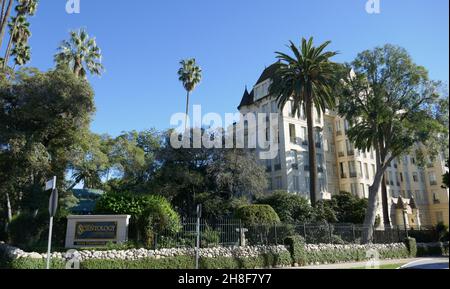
150,214
432,249
257,215
412,247
442,232
296,246
179,262
28,263
291,208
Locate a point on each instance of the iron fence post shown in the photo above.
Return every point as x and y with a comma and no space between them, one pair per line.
354,233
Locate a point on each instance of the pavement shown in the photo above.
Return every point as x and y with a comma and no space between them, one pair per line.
417,263
430,264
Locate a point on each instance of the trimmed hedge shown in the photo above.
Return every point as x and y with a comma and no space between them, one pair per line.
432,249
266,260
296,246
411,244
257,215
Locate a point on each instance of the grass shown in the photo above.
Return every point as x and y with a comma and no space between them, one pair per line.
383,267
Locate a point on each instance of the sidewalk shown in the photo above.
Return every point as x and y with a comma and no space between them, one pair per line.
360,264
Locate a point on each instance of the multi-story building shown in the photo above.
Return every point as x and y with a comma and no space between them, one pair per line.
414,192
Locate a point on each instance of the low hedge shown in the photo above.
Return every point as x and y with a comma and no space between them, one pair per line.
266,260
296,246
432,249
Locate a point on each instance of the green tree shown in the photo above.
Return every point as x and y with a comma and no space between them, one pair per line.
81,54
190,74
291,208
389,102
43,119
308,79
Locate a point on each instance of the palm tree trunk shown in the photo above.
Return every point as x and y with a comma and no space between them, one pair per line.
4,20
8,49
312,152
187,111
385,201
8,212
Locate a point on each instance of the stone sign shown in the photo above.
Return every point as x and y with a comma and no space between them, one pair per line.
96,231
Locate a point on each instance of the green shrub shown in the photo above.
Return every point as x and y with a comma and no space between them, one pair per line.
210,237
179,262
150,214
296,247
412,247
257,215
290,207
28,263
442,232
432,249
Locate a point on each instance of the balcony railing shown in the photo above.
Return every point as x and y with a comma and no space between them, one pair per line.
351,153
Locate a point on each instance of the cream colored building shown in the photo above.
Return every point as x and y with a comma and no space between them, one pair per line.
412,191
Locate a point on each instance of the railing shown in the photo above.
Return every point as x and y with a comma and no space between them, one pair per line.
234,233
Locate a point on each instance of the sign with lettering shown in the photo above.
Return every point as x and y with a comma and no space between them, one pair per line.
96,231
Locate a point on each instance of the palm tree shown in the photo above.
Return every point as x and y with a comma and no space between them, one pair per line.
190,74
19,26
80,54
22,54
307,78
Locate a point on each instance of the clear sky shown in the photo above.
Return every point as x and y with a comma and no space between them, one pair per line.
233,40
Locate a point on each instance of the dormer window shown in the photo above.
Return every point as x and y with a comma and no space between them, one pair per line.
262,89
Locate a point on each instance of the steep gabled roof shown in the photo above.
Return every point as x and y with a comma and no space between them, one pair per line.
248,98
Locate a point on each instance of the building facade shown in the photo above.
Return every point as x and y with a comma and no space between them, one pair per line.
413,192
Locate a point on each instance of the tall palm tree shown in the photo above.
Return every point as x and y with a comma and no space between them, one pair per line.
190,74
22,54
80,54
18,25
307,78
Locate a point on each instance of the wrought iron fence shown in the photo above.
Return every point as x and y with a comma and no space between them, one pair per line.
229,232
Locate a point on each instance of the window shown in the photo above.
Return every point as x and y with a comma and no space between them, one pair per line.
292,133
305,160
278,183
433,179
277,164
346,125
397,178
296,184
341,166
320,162
293,159
307,184
363,190
416,177
374,171
350,150
354,189
352,169
270,183
366,169
439,217
338,127
361,173
304,135
401,177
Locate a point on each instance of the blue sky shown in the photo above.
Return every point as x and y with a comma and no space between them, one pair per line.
233,40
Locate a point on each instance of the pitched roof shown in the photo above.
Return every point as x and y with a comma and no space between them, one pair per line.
268,72
248,98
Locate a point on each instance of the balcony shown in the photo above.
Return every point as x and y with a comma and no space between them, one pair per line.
341,154
339,133
351,153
